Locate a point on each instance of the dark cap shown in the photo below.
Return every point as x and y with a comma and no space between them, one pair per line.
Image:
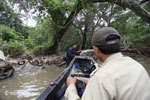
99,37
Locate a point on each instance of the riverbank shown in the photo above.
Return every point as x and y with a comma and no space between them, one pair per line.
55,59
10,65
136,50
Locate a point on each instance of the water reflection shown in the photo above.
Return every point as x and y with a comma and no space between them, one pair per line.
28,83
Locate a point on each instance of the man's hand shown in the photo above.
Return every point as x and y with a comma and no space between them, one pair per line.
76,57
85,81
71,80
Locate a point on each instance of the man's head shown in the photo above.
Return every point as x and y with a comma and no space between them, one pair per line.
106,41
74,45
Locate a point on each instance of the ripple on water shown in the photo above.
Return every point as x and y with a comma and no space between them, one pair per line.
27,84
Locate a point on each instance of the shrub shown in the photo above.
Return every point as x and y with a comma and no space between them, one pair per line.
13,48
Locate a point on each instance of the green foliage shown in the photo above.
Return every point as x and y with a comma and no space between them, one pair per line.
69,38
128,4
13,48
8,34
40,38
42,33
18,39
58,5
87,3
11,19
147,6
8,17
138,33
134,31
13,43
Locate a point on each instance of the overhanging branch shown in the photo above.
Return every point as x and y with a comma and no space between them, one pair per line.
133,5
144,1
69,21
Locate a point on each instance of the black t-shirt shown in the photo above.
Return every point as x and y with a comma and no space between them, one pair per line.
71,52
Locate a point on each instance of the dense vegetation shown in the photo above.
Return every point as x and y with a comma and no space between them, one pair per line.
63,22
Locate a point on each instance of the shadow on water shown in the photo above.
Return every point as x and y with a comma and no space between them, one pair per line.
27,84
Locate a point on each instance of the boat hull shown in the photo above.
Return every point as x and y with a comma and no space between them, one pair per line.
57,88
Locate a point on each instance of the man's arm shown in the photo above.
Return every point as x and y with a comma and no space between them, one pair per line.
71,92
98,89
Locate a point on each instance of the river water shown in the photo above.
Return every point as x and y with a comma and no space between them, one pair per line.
144,60
27,84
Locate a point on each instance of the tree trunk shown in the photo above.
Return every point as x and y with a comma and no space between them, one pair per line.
53,49
83,42
145,15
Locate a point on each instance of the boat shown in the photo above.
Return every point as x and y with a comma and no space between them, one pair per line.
80,67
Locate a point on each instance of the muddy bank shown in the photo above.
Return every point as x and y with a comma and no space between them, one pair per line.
57,60
37,60
139,51
8,67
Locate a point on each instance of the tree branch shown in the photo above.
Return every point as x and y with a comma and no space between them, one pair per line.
131,4
69,20
144,14
78,28
144,1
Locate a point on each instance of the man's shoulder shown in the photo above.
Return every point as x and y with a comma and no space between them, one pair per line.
123,67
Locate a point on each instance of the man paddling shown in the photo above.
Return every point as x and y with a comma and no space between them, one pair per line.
119,78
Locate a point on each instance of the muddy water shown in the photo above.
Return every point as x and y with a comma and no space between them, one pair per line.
27,84
145,61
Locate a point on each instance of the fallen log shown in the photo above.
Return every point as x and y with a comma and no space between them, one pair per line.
143,51
63,63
